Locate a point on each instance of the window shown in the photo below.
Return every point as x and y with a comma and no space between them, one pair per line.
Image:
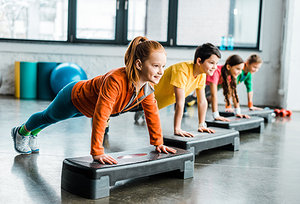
96,19
201,21
34,20
137,18
171,22
148,18
245,23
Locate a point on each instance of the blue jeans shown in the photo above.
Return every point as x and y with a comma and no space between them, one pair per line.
61,108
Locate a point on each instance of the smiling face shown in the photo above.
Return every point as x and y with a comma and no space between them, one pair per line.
235,70
152,69
209,66
253,67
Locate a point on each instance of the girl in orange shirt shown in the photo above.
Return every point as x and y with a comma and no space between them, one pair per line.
107,95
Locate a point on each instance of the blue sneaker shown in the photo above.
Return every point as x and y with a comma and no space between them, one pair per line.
21,143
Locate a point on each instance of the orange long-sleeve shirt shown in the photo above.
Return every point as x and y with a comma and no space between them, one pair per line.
109,94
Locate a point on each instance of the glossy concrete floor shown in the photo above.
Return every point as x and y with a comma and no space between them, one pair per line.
266,169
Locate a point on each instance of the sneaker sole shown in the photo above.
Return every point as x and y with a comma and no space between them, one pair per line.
137,116
13,135
34,150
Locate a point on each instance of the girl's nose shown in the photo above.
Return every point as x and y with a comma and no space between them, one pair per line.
161,71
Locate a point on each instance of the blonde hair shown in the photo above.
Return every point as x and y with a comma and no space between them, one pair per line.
254,58
139,48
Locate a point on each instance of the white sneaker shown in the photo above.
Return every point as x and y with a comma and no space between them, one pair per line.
33,144
21,143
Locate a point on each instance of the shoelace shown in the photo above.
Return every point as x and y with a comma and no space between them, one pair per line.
25,139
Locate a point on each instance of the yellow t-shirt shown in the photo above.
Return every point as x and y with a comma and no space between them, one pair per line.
181,76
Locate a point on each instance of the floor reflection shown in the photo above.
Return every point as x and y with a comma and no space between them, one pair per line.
26,168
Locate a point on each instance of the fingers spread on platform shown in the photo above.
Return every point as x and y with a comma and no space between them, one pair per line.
242,116
204,129
105,159
165,149
222,119
183,133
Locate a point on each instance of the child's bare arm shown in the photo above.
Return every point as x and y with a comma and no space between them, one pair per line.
180,98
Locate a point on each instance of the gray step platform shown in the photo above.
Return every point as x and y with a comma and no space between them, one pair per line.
265,113
256,124
84,177
205,141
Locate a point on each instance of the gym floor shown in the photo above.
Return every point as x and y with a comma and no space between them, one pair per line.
264,170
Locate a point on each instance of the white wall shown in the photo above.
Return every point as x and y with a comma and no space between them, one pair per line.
290,63
98,59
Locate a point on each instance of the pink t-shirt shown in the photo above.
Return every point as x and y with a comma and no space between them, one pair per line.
215,78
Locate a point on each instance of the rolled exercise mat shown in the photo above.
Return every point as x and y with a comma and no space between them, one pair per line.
44,70
28,80
17,79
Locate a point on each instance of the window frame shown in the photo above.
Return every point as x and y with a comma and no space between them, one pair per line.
121,28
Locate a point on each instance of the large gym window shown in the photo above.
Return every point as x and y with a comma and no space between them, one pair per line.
181,23
201,21
148,18
34,20
96,19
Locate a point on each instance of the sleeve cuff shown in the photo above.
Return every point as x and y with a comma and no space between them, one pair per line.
250,104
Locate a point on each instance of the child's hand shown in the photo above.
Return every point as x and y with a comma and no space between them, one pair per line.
183,133
242,116
229,110
222,119
205,129
105,159
165,149
254,108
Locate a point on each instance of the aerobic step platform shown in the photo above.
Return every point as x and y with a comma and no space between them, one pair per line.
265,113
90,179
256,124
205,141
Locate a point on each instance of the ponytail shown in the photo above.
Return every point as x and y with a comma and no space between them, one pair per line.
139,48
228,81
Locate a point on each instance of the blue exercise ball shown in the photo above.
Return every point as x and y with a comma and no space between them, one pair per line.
65,73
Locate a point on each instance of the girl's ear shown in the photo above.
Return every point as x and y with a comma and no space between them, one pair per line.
138,64
228,67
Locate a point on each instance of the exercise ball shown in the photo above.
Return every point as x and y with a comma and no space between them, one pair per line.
65,73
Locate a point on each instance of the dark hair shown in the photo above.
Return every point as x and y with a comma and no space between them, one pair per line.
229,84
205,51
139,48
